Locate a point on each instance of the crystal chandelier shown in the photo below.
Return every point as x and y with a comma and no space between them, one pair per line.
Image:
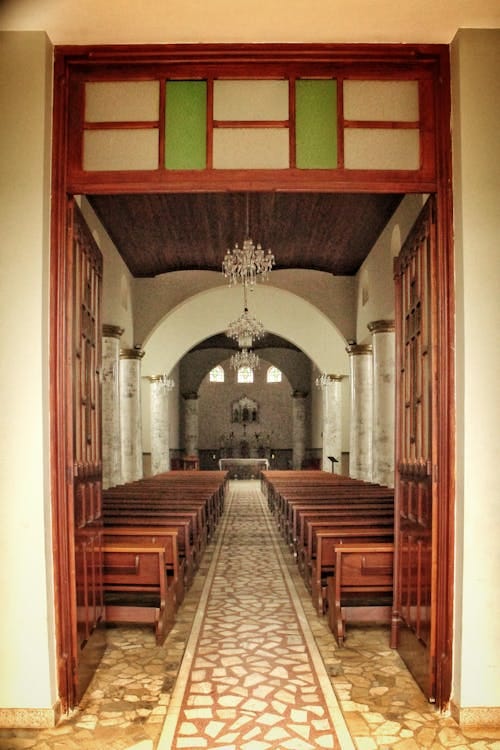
245,358
323,380
247,264
246,329
167,382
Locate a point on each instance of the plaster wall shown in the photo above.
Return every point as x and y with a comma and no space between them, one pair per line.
476,157
27,645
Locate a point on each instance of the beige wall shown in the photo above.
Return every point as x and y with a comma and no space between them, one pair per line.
117,292
27,661
376,273
275,409
476,159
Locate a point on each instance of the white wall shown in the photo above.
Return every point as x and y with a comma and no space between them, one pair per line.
376,273
476,157
27,651
281,312
334,296
117,291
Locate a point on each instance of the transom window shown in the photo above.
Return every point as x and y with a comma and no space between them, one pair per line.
245,375
217,375
274,375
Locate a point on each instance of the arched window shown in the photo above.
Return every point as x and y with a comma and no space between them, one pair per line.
245,375
274,375
217,374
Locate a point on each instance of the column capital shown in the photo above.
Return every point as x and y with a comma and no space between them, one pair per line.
336,378
381,326
357,349
132,354
112,332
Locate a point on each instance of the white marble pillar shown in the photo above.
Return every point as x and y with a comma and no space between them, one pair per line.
191,426
160,423
384,380
332,422
130,414
111,442
298,428
360,442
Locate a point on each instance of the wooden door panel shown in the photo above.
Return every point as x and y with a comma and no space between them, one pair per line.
415,547
87,468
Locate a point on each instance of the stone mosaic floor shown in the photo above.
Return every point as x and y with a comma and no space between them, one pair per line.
137,695
255,680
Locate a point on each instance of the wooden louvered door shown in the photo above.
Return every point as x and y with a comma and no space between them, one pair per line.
416,548
87,466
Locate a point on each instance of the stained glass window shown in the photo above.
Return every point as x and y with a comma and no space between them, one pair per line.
245,375
217,374
274,375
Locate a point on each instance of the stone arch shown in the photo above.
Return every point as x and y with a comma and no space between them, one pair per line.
282,313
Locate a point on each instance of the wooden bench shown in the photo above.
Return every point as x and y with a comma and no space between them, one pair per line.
361,586
184,525
323,564
165,536
358,518
136,587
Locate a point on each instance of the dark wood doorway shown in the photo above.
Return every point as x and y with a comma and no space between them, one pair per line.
421,509
426,65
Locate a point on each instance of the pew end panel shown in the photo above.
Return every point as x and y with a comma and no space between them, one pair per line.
136,589
360,590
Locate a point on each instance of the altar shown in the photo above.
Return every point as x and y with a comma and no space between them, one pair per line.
243,468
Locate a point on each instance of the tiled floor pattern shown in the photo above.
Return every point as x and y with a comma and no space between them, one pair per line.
256,680
126,704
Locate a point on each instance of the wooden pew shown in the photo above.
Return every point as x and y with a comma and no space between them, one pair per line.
343,508
323,564
361,587
359,517
183,523
136,587
165,536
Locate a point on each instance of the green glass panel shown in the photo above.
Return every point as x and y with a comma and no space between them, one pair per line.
316,124
186,125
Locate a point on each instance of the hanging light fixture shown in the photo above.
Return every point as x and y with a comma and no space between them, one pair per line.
323,380
166,381
245,358
247,264
246,329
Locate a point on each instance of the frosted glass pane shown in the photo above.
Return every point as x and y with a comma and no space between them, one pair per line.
111,150
381,100
381,149
250,100
116,101
244,148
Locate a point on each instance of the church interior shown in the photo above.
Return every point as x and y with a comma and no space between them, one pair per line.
179,381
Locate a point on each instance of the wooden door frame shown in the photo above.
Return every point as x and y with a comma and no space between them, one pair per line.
67,61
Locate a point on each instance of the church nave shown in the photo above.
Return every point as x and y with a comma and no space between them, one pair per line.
249,665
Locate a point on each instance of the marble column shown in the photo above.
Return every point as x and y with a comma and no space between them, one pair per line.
332,423
160,424
130,414
191,426
360,443
298,428
110,408
384,386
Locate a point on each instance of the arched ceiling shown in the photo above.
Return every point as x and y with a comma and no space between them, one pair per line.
330,232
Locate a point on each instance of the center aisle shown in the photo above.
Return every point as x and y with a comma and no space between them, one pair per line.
252,677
